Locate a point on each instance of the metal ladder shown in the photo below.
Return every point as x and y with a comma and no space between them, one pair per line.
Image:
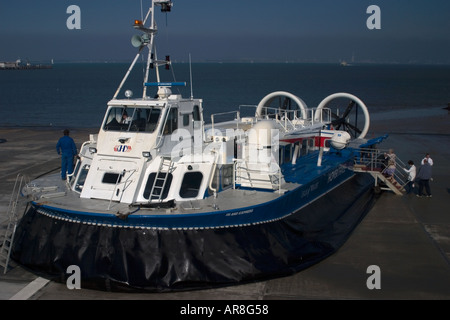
162,175
5,250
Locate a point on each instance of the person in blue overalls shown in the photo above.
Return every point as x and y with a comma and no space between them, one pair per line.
67,149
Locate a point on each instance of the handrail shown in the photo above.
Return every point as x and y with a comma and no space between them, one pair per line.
122,174
286,115
160,134
12,207
236,161
13,217
238,117
277,174
213,173
374,160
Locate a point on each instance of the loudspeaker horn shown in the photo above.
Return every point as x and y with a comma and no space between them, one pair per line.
136,41
140,41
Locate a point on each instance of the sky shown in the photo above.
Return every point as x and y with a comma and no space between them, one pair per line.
319,31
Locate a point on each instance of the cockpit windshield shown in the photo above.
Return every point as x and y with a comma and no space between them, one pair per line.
132,119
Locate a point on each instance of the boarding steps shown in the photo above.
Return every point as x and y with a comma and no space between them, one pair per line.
370,161
13,219
390,182
162,175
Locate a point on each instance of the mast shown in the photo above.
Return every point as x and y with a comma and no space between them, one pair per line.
151,48
147,40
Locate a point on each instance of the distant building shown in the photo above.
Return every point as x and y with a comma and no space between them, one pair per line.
10,65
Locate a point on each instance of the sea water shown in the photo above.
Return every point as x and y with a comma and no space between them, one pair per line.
76,95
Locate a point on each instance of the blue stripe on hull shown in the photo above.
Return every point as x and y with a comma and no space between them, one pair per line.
292,201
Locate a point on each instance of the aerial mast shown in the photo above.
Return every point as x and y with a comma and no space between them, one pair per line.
147,40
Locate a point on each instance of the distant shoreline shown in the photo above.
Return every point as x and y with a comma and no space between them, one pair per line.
34,67
414,125
337,64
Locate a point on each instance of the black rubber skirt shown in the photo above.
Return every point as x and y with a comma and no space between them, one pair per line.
125,259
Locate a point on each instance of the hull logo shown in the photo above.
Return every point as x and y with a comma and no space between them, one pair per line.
122,148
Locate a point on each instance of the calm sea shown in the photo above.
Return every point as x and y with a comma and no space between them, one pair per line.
76,95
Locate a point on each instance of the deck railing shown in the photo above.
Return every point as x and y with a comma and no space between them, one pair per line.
256,178
289,119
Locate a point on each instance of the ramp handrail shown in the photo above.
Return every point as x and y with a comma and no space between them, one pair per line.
13,219
375,160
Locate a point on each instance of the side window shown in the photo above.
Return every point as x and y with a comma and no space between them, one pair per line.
307,144
196,117
186,118
158,186
227,176
111,178
172,121
190,186
287,157
196,113
82,178
152,119
75,172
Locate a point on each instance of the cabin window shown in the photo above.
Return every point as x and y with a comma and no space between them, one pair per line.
82,178
196,117
223,178
172,121
190,187
186,120
111,178
287,153
132,119
75,173
307,144
152,117
158,185
196,113
227,176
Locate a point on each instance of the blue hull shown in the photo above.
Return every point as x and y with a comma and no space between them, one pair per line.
159,259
